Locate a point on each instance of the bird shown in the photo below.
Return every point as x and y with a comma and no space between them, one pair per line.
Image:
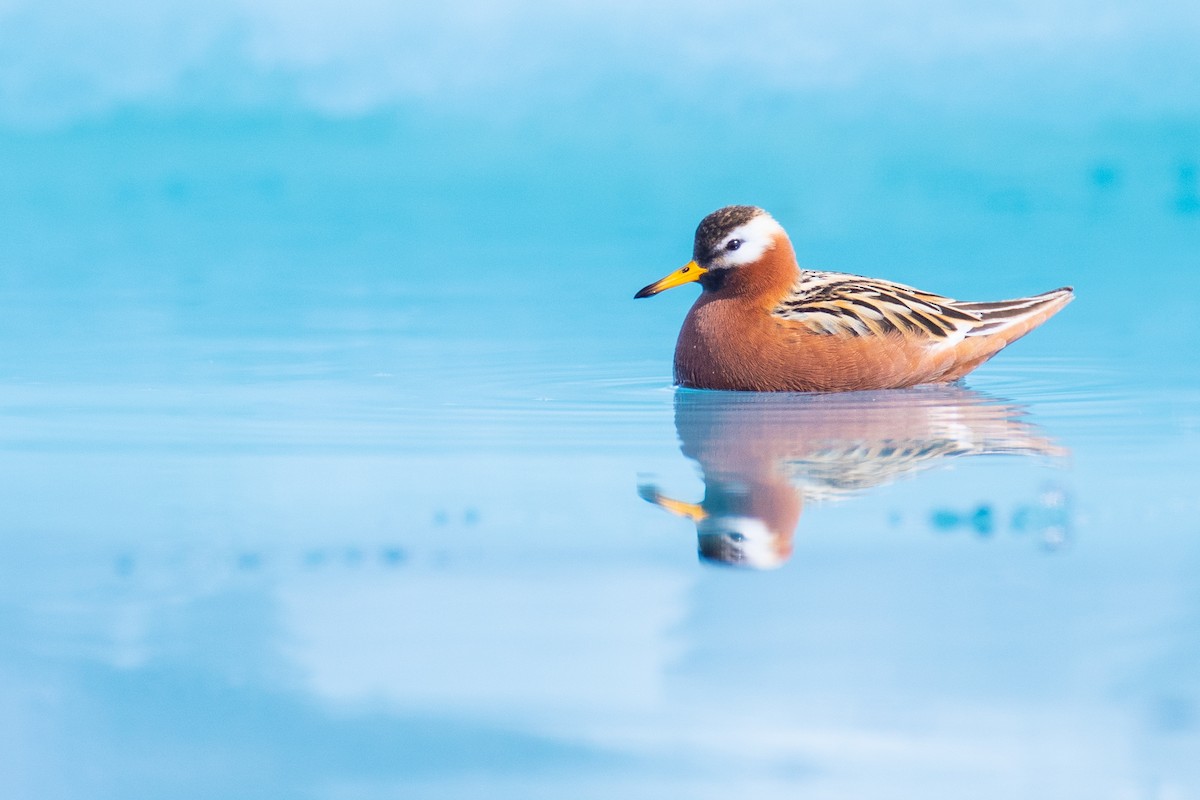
761,323
764,457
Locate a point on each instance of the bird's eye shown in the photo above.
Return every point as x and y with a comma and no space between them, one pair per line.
737,537
733,244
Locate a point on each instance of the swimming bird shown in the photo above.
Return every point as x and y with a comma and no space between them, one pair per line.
762,323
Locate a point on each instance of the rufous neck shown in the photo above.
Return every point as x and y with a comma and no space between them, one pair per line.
768,279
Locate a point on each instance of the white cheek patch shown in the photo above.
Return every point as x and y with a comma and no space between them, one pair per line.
757,235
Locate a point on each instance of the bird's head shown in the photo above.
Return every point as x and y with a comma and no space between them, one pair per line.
729,238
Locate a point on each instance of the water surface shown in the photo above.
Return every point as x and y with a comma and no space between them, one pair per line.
327,437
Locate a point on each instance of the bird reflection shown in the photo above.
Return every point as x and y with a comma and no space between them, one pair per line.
763,456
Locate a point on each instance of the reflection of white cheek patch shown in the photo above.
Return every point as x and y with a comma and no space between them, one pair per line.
757,543
757,235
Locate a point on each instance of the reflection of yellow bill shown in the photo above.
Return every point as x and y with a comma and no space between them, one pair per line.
689,272
692,511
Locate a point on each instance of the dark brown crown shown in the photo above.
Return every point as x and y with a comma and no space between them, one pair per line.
716,226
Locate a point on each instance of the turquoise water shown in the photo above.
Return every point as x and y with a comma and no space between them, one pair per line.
331,438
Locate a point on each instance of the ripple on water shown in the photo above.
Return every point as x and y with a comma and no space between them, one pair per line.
518,403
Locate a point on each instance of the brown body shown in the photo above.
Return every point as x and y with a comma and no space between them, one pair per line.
732,340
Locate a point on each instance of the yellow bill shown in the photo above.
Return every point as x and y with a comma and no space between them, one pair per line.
689,272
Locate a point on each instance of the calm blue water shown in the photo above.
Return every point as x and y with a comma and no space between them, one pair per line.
331,439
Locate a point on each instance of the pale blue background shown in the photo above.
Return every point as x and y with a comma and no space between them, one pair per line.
323,401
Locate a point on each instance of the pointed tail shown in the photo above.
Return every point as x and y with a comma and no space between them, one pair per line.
1009,320
1000,324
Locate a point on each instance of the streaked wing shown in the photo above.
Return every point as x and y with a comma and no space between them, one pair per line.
834,303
